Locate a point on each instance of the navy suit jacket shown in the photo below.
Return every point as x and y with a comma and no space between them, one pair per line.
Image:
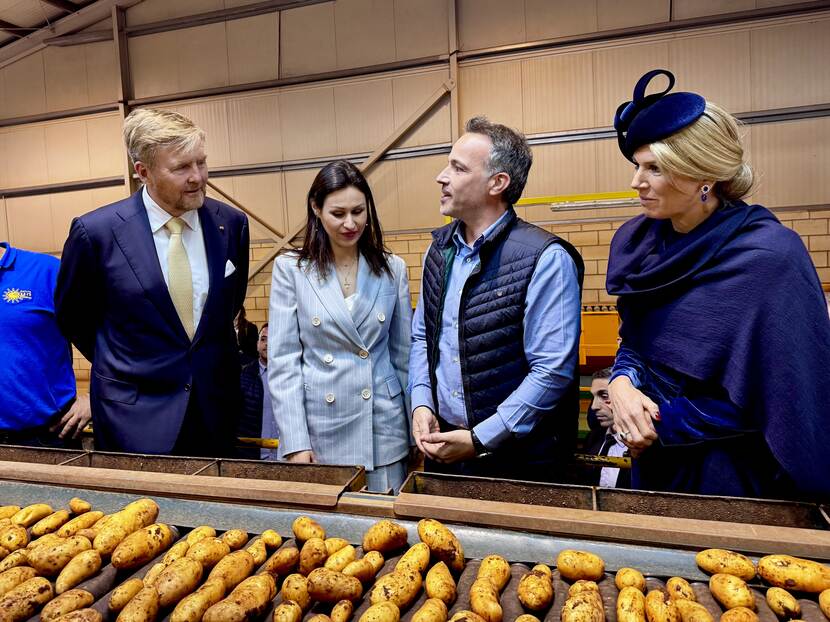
114,306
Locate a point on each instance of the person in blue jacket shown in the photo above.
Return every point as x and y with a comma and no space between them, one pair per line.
718,383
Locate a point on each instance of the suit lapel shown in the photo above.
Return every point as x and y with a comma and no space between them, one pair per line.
368,286
135,240
216,248
328,291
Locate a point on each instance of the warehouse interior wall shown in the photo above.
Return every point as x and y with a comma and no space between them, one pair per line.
261,87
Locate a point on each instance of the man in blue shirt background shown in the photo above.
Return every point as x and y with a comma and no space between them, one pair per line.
493,366
36,380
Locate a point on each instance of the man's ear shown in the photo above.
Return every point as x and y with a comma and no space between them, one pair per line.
499,183
141,170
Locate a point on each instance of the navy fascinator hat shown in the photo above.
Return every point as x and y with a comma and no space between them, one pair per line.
649,118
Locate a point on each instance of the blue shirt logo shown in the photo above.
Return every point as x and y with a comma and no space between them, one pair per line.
12,295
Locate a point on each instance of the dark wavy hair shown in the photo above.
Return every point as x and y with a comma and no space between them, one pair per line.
316,248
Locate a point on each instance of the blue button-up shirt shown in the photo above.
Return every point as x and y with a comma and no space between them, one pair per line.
551,337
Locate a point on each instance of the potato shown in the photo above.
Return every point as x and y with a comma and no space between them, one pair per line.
295,587
329,586
177,581
384,536
31,514
385,611
442,543
401,587
79,506
271,538
342,558
433,610
526,617
84,521
584,607
319,617
312,555
691,611
794,573
466,616
7,511
440,584
342,611
193,607
631,605
4,552
484,599
495,568
582,586
335,544
258,552
177,551
416,558
630,577
247,601
716,561
824,602
282,562
12,560
143,607
376,559
208,551
49,538
305,528
783,604
286,611
232,569
13,577
124,593
536,589
575,565
50,559
200,533
235,538
678,588
69,601
118,526
50,523
660,608
81,615
739,614
26,599
13,537
152,575
80,568
141,546
362,569
731,591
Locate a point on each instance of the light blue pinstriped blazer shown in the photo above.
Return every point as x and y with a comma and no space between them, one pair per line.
337,378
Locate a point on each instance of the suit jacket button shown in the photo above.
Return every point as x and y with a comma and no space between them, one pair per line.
381,317
365,394
330,398
187,387
328,359
363,354
315,321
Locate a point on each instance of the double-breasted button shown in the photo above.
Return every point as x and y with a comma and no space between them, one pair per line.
315,321
381,317
330,398
365,394
363,354
328,359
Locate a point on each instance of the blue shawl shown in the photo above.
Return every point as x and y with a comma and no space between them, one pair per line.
736,303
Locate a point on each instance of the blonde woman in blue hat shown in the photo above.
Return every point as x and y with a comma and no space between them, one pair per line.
718,386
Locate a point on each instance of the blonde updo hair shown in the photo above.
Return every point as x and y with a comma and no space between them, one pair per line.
709,148
147,129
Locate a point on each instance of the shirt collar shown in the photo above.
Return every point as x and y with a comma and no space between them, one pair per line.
159,217
460,242
261,367
8,257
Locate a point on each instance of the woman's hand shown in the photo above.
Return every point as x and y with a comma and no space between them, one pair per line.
301,457
633,414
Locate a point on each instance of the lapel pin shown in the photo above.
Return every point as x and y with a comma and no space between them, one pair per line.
221,227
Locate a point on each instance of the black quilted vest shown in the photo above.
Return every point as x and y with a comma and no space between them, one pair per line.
491,334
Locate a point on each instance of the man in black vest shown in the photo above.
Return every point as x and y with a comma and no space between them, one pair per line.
493,367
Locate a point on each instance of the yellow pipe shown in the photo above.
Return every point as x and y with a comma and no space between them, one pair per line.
577,198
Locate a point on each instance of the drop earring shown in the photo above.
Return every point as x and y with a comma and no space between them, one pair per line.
704,193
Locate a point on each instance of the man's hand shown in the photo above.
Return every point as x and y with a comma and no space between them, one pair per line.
449,447
74,421
301,457
423,423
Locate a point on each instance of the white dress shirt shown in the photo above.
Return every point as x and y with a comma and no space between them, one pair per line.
194,245
615,448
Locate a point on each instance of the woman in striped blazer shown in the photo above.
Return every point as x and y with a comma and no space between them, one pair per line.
338,345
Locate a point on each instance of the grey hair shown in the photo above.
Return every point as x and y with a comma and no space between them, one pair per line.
509,154
148,129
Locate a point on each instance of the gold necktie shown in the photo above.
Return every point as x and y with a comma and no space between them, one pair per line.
179,277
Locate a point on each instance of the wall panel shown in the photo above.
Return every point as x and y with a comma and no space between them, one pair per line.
488,23
4,229
614,172
383,180
67,151
107,152
558,93
307,122
364,32
253,48
420,28
612,14
546,19
202,57
418,193
492,89
24,157
212,116
254,129
101,72
408,94
789,65
158,10
297,184
568,168
363,114
307,40
152,64
263,195
616,71
687,9
30,223
698,64
65,77
65,206
105,196
24,87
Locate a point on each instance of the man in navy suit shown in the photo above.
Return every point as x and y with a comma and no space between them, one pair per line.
147,291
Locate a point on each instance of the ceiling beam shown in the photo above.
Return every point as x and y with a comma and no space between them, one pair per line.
13,29
63,5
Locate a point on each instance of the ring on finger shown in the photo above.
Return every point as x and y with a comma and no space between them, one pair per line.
624,435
